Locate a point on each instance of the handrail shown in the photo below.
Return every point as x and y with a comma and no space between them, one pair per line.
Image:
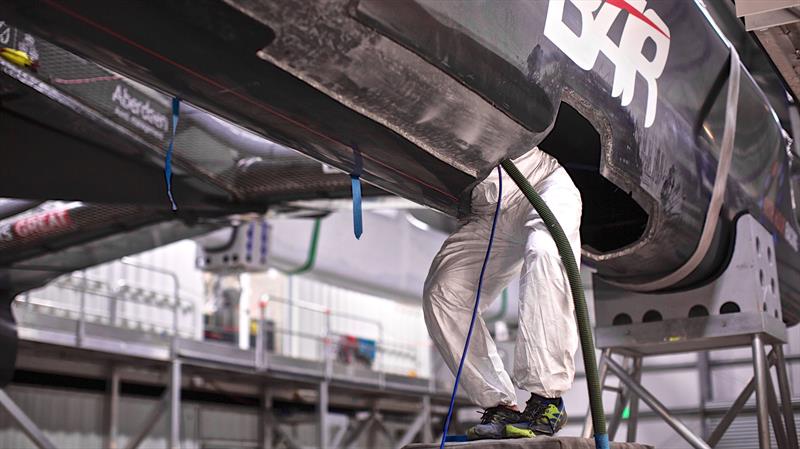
135,293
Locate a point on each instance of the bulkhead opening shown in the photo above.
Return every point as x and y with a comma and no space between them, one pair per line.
612,219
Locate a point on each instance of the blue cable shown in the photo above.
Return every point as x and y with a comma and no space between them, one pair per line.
176,108
474,309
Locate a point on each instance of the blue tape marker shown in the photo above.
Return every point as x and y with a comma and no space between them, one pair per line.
601,441
358,226
176,110
355,183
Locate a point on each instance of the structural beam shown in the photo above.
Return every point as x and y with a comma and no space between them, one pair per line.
762,403
735,408
266,428
786,395
656,405
26,424
427,428
113,409
775,415
175,404
151,421
323,436
633,419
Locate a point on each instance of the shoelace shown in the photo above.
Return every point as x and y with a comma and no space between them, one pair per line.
488,415
537,412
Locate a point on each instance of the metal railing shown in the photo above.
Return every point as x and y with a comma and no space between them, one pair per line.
101,302
332,339
88,300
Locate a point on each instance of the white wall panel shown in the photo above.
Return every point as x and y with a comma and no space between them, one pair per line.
390,260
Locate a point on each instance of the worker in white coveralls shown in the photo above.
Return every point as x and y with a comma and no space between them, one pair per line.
547,337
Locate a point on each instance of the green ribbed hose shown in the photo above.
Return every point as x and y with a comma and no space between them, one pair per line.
576,285
311,259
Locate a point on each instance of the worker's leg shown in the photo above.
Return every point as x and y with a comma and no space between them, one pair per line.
547,338
449,297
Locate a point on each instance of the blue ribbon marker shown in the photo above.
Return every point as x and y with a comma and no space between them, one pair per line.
176,110
355,183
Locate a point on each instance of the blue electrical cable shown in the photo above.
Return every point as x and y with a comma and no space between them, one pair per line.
176,108
474,309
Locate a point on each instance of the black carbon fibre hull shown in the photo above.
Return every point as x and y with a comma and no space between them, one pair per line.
435,94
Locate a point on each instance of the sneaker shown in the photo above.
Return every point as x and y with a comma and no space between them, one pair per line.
543,416
498,422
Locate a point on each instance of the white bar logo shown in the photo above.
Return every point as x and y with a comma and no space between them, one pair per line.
628,58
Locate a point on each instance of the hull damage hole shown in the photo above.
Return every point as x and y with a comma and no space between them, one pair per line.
612,219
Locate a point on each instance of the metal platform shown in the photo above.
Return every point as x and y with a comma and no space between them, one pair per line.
78,344
542,442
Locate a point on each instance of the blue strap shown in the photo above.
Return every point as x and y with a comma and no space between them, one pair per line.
176,110
355,183
358,226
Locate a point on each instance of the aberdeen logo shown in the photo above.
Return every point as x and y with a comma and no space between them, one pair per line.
642,28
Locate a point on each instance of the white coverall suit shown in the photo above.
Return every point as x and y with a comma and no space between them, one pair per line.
547,338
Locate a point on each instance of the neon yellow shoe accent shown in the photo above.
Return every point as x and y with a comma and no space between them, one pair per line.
552,413
516,432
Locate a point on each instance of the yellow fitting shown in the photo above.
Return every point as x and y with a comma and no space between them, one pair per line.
17,57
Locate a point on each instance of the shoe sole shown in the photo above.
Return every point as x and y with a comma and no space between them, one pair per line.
515,432
509,432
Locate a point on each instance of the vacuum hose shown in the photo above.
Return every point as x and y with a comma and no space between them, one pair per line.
581,311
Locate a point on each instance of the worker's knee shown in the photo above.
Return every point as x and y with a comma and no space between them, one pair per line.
541,247
446,290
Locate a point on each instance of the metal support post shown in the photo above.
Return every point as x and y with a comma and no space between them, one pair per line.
266,429
176,312
619,406
587,423
80,331
259,349
786,395
657,406
427,428
327,346
113,306
175,405
633,419
25,423
28,303
113,409
706,395
762,404
775,415
322,415
736,407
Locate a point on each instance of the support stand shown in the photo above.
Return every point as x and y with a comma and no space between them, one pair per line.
740,308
